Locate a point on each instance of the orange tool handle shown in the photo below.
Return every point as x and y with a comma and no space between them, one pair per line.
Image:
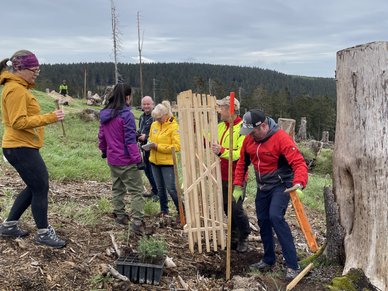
303,221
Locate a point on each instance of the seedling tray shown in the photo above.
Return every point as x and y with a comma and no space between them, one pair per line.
138,271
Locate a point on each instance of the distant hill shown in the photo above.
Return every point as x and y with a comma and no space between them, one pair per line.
165,80
278,94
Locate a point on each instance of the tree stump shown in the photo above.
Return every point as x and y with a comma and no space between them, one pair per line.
288,125
360,160
325,137
302,132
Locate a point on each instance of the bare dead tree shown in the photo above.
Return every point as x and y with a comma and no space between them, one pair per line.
140,47
116,39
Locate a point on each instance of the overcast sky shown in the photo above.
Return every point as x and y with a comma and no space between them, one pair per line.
299,37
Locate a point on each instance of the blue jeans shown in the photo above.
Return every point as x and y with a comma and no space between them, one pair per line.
165,181
32,169
148,172
271,207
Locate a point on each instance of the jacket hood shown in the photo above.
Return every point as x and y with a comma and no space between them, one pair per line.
273,127
8,76
106,115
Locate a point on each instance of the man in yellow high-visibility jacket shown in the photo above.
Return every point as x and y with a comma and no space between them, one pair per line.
63,88
240,222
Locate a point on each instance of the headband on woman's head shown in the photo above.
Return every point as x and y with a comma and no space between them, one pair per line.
24,62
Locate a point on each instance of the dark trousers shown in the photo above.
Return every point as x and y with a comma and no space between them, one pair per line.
32,169
148,172
271,207
165,180
240,222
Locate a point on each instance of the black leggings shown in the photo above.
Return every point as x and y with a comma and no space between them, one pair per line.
32,169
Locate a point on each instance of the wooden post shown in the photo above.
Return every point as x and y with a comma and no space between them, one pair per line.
230,186
63,127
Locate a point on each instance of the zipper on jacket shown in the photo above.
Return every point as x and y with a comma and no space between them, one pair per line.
258,161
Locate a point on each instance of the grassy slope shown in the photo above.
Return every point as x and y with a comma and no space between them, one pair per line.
76,156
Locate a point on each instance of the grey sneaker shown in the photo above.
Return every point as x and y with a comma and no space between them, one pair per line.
261,267
12,231
291,273
50,238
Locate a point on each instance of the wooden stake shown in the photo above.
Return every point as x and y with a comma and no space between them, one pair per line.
178,189
63,127
296,280
230,185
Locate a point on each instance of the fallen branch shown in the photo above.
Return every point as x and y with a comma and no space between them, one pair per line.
116,274
183,283
116,247
296,280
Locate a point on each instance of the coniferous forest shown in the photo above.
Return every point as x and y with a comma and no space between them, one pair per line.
278,94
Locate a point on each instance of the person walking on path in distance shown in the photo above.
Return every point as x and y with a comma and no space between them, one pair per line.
164,135
23,137
240,222
145,121
63,88
117,142
278,165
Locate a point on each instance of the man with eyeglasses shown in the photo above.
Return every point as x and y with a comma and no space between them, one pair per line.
240,222
278,165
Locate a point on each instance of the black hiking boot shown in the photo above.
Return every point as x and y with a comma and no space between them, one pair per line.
242,246
12,230
50,238
261,267
137,227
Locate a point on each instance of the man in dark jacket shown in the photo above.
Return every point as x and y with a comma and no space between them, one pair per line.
145,121
278,165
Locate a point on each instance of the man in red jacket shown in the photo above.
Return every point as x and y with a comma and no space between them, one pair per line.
278,165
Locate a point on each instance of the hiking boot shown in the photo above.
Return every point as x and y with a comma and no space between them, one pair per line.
242,246
137,227
12,230
261,267
163,214
291,273
124,220
49,238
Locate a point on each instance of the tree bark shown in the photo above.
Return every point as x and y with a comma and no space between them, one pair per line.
360,161
335,252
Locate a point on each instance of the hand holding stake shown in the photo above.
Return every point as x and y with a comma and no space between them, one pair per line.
63,127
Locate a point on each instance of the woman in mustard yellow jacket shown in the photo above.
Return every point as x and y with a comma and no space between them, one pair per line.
164,136
23,137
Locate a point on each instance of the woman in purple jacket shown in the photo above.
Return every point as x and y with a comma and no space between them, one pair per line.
117,142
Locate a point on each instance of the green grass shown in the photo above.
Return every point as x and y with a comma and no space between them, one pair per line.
76,156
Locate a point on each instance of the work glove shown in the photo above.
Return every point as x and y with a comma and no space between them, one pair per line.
300,193
103,155
237,193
